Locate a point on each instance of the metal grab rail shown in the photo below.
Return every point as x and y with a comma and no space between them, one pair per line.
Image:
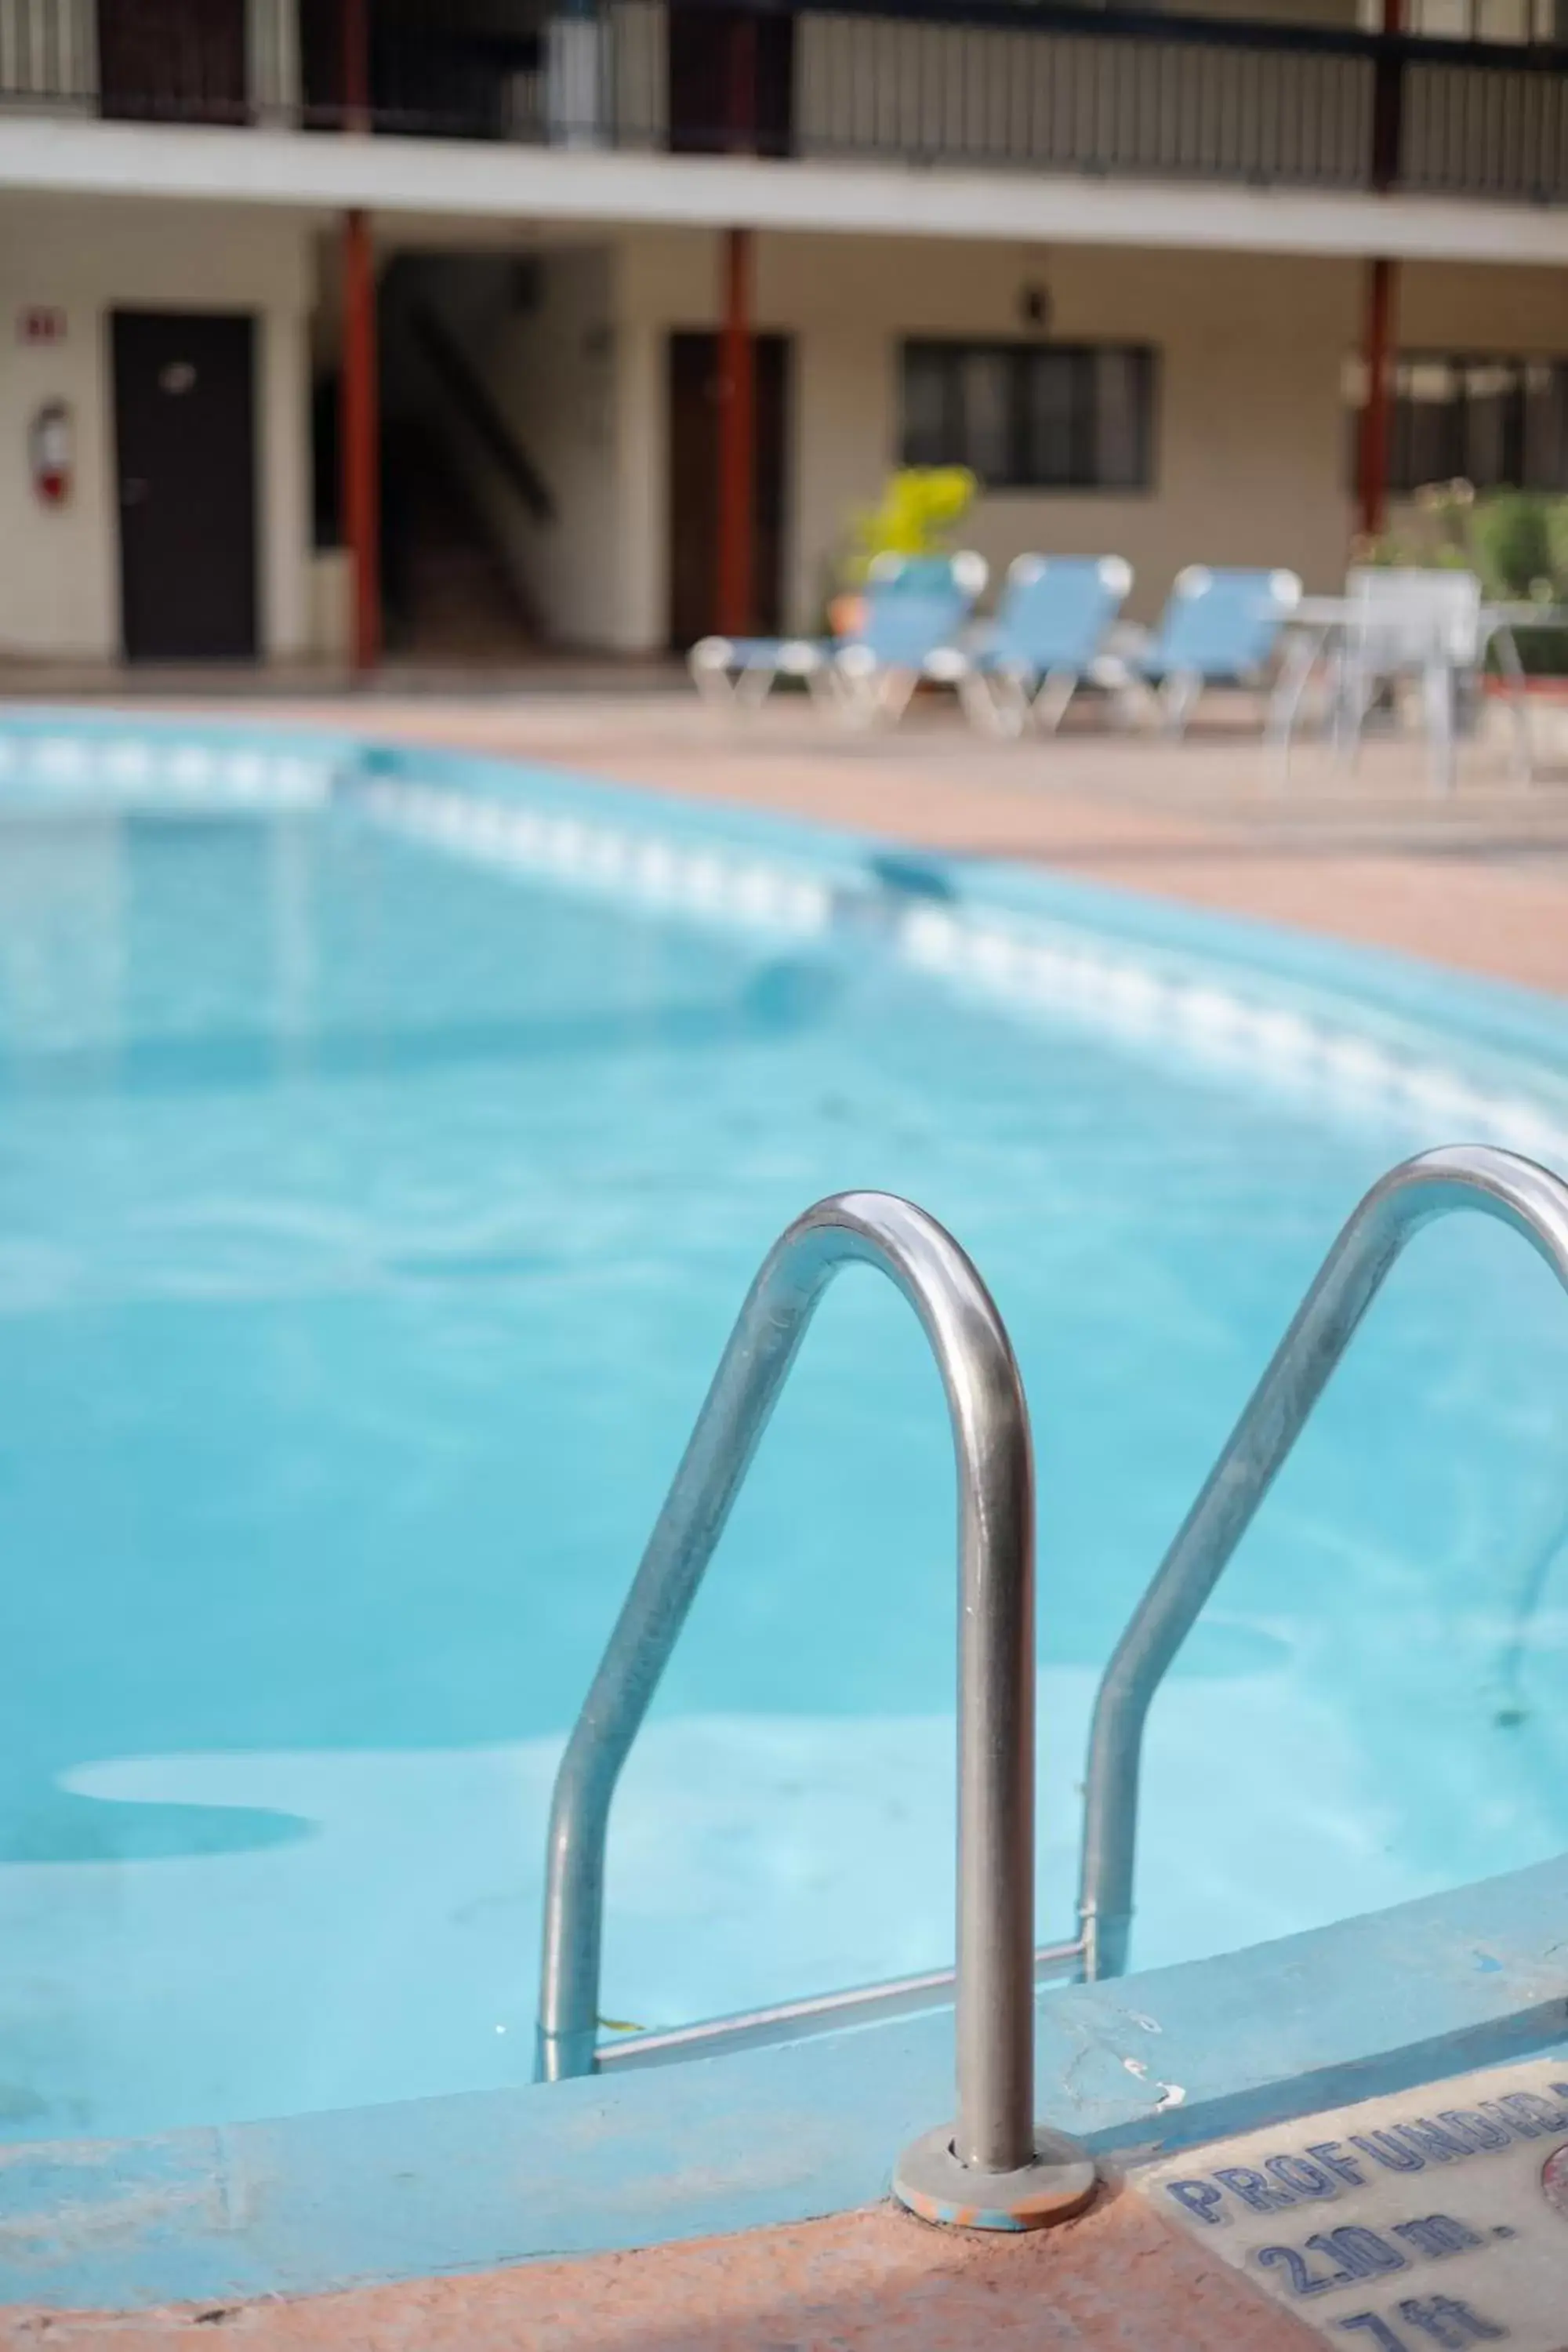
1529,1199
995,2167
994,1997
822,2012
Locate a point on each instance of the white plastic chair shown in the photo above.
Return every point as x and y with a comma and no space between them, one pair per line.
1428,625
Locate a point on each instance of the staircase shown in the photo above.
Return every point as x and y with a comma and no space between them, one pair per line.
449,598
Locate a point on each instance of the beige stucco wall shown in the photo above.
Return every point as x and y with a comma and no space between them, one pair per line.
59,585
1457,307
1249,461
1250,435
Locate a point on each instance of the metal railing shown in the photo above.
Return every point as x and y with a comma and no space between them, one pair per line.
1530,1200
1500,133
1020,85
993,1982
995,2024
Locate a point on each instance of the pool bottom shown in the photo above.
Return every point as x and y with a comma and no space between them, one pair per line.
269,1326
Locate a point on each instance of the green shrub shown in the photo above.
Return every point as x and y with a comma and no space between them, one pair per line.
1513,539
1516,541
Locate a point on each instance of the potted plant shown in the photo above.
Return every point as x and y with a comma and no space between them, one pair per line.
919,510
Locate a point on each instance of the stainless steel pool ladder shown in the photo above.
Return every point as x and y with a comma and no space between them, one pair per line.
993,1982
996,1647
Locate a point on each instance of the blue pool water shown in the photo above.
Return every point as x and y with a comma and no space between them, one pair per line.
370,1219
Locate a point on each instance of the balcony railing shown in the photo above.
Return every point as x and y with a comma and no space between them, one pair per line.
1011,85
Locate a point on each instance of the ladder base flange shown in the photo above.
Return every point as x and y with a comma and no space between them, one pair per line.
930,2180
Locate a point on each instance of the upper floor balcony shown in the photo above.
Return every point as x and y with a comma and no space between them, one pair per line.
1469,99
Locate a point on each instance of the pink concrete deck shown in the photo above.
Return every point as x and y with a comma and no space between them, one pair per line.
1118,2281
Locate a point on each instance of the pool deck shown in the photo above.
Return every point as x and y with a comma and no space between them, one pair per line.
1478,881
1120,2278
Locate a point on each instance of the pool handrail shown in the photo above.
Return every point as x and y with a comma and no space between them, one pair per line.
813,2013
1501,1184
928,1266
994,2131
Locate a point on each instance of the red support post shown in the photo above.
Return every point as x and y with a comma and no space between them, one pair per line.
737,441
1376,416
361,442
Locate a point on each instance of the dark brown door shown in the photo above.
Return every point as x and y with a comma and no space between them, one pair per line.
184,443
175,60
694,485
732,81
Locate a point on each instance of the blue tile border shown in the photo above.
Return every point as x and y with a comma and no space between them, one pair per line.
1359,1033
1144,2066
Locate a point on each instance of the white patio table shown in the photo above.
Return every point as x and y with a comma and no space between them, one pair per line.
1350,629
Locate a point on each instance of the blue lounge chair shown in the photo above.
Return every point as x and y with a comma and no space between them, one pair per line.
916,608
1218,628
913,604
730,671
1049,631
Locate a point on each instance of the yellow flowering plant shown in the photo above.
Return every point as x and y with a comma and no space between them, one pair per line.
917,514
919,510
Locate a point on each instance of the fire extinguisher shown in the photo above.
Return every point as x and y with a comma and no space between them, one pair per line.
50,453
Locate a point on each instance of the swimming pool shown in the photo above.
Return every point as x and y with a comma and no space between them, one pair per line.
389,1141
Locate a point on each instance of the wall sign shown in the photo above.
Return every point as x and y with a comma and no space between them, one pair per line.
40,322
1428,2221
